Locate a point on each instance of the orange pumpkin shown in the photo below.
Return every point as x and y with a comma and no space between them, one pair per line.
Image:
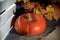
33,27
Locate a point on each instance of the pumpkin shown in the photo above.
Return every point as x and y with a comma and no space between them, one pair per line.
30,24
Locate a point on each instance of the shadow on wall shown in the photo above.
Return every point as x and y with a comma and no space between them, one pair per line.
13,21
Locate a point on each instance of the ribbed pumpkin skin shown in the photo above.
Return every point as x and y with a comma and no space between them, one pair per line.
35,27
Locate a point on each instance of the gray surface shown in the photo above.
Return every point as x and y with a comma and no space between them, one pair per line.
55,35
5,4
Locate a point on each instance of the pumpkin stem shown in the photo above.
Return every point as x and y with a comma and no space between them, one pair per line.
29,17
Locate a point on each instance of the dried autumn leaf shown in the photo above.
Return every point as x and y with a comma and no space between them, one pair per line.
56,13
48,16
50,8
39,10
50,11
